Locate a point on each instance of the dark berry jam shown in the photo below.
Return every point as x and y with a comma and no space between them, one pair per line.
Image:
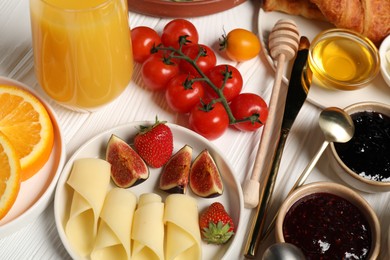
368,152
326,226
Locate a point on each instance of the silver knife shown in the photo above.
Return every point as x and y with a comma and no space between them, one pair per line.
296,96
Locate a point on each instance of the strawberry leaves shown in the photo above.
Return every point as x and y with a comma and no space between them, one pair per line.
216,225
217,233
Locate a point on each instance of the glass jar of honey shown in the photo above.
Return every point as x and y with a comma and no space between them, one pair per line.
343,59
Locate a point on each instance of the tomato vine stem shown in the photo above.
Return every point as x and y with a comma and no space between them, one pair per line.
174,53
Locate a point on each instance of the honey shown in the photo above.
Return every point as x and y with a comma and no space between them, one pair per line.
343,61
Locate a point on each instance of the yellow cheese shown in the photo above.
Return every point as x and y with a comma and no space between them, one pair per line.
89,180
148,228
113,237
183,241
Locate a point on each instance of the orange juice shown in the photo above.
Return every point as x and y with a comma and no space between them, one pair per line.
82,50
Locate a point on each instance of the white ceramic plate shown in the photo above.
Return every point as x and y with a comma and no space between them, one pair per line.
385,64
231,198
36,193
388,240
375,91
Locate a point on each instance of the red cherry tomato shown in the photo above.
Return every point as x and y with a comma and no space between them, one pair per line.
156,71
143,39
205,61
246,105
211,123
182,94
233,85
176,28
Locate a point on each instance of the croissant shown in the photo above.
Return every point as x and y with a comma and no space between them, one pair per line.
368,17
294,7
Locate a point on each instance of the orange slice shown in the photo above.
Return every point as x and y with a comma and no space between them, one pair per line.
26,123
9,175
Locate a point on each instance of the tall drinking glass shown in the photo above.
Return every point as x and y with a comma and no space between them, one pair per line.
82,50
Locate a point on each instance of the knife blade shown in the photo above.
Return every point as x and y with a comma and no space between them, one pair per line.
296,96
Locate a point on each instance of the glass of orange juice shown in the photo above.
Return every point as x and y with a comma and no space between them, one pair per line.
82,50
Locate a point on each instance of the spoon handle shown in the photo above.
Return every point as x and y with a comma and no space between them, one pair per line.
302,178
299,182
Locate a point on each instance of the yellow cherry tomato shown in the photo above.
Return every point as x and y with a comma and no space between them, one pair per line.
240,45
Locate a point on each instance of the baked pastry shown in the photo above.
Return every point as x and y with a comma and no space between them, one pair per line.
376,19
368,17
303,8
343,13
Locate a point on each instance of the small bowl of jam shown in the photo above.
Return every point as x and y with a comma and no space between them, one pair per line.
342,59
364,162
329,221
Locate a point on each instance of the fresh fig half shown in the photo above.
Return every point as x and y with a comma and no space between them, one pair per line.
205,178
174,176
127,167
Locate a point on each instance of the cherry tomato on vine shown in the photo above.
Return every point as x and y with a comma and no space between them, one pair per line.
143,39
176,28
211,122
205,62
233,85
240,45
246,105
182,94
156,71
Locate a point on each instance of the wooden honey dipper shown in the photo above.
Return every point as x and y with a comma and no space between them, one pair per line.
283,45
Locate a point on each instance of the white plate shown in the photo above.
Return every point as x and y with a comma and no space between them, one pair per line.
231,198
388,240
36,193
375,91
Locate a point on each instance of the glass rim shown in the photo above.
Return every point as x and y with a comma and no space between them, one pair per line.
353,37
78,10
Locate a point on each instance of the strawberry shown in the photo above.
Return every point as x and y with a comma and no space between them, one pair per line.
215,224
154,144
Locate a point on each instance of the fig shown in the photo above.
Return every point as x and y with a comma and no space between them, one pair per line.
127,167
205,178
174,176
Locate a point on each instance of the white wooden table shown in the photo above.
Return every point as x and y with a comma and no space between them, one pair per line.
39,239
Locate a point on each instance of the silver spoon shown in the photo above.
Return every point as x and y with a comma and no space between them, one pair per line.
283,251
337,126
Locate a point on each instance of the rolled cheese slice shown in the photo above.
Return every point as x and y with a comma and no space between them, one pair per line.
148,228
89,180
183,240
113,237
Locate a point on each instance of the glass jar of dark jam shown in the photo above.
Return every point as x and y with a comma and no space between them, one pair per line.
326,226
368,152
